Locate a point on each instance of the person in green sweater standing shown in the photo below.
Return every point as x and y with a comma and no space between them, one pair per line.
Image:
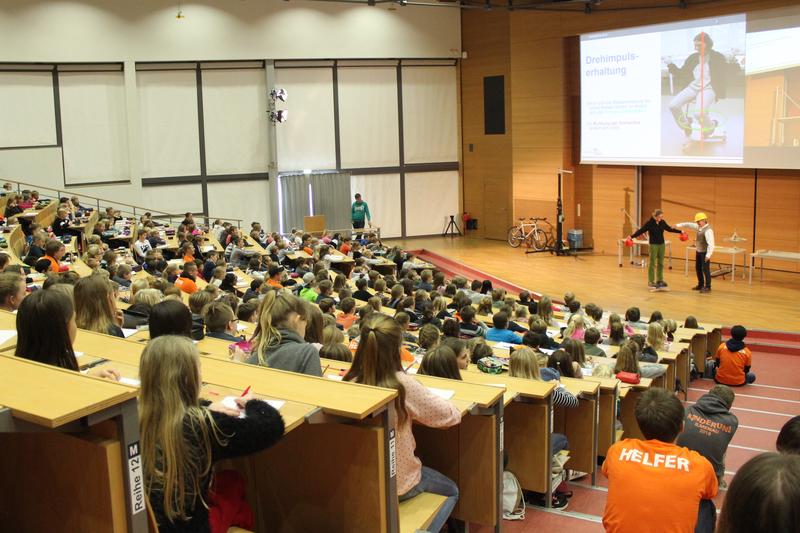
359,213
655,228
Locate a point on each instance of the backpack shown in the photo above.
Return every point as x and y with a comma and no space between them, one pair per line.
513,501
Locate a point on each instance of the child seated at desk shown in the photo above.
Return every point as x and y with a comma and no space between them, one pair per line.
12,291
220,322
61,223
182,436
500,331
590,340
95,307
279,339
122,275
440,362
186,282
628,361
545,310
469,327
377,363
54,250
55,309
347,315
616,335
653,343
562,361
575,329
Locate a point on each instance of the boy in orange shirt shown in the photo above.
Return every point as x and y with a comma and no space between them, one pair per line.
187,281
733,360
654,485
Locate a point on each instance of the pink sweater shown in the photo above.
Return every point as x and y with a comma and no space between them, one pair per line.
427,409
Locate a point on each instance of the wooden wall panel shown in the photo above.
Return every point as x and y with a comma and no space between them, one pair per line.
613,190
542,61
487,159
777,220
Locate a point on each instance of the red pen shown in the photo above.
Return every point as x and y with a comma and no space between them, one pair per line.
246,391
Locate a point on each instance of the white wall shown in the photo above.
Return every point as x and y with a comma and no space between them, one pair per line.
147,30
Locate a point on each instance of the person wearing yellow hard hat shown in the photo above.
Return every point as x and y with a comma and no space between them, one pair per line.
704,246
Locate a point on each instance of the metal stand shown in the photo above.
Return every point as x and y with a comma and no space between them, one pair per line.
558,246
452,228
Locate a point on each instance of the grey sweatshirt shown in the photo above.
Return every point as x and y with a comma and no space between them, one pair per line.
294,354
708,429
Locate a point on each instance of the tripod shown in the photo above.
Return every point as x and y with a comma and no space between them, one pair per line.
452,228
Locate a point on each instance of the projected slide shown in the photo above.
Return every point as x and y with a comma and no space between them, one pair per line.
667,94
772,104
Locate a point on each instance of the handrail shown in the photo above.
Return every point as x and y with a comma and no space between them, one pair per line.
156,213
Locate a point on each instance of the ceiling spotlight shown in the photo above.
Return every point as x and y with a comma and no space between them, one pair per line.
279,116
279,94
403,2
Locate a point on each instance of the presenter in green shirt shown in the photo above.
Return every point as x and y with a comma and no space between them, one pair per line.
359,213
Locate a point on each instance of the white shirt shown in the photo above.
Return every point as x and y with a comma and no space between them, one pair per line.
709,235
141,248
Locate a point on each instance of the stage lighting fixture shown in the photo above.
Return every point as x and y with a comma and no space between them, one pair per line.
279,94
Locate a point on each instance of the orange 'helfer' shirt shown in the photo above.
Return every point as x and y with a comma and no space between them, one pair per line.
655,486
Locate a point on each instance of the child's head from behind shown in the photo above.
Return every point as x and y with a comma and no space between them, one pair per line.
659,414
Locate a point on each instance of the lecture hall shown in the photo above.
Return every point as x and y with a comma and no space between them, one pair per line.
399,266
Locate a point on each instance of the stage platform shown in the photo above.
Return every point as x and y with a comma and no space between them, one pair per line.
773,304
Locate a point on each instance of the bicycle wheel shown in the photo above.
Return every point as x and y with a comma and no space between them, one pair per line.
539,239
515,236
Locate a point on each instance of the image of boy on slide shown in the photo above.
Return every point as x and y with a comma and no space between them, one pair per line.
703,78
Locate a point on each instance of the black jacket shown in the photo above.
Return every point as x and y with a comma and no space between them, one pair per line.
655,230
34,254
717,66
136,315
261,428
708,429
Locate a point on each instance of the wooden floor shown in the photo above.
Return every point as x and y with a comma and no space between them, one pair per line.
772,304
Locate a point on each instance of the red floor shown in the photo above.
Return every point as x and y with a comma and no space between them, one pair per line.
762,408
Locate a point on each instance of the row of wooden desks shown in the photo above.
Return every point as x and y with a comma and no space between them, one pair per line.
71,458
292,483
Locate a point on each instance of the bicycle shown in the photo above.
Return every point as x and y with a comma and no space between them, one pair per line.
531,234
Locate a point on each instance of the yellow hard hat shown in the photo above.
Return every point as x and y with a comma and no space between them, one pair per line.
700,216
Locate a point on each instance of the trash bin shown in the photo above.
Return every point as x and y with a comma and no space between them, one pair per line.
575,239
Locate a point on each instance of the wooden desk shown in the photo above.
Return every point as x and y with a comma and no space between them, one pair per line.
469,453
607,416
579,424
527,418
698,341
292,483
92,427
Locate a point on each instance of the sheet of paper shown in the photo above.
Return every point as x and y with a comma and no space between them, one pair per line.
442,393
334,377
129,331
546,351
587,371
241,327
6,335
230,403
79,354
503,345
130,381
